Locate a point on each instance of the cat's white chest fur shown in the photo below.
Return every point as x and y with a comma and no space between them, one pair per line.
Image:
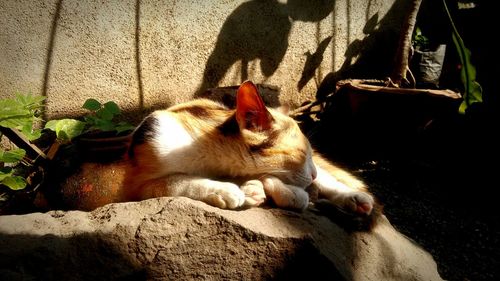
171,136
179,151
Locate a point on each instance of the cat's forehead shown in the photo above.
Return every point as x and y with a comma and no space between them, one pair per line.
289,130
283,121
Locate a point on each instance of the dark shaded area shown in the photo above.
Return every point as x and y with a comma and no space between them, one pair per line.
373,56
50,51
346,220
99,256
313,61
140,84
79,257
258,29
307,263
436,183
227,95
436,179
470,24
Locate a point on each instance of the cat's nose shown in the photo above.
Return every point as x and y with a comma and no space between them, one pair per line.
314,174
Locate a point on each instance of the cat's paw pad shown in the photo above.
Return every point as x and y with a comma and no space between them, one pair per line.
359,202
226,196
254,193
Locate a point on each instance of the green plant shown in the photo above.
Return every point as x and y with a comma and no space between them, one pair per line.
7,173
472,89
102,115
419,40
19,113
473,93
99,118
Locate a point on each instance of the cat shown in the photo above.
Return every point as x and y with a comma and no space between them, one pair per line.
229,158
235,158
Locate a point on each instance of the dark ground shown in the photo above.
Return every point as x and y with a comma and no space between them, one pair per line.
463,237
437,186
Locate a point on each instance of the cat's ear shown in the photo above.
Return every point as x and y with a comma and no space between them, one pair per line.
251,113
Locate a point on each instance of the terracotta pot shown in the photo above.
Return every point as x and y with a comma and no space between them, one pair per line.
103,146
364,114
407,106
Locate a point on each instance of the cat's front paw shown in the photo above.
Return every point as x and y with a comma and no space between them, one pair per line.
284,195
226,196
359,202
254,193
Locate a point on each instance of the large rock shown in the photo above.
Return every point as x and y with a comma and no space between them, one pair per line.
178,238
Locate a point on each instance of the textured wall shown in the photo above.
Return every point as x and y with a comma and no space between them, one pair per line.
147,53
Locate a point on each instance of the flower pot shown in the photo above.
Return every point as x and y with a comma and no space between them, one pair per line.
103,146
367,115
427,65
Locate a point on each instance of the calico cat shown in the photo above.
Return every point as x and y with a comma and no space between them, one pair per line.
234,158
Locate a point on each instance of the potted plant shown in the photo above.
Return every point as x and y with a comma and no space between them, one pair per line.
98,135
427,60
402,81
394,113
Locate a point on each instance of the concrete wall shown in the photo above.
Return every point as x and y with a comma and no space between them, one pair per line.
147,54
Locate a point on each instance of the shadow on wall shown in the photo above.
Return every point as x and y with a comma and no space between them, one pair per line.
258,29
50,51
52,41
313,62
373,56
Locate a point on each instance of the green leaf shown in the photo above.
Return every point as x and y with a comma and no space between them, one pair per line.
30,133
20,113
104,125
123,127
112,107
30,102
51,125
33,135
69,128
91,120
5,172
12,156
21,105
472,90
66,129
14,182
419,39
16,122
105,114
92,104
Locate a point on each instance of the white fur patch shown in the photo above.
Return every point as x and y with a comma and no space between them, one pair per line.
171,135
329,183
